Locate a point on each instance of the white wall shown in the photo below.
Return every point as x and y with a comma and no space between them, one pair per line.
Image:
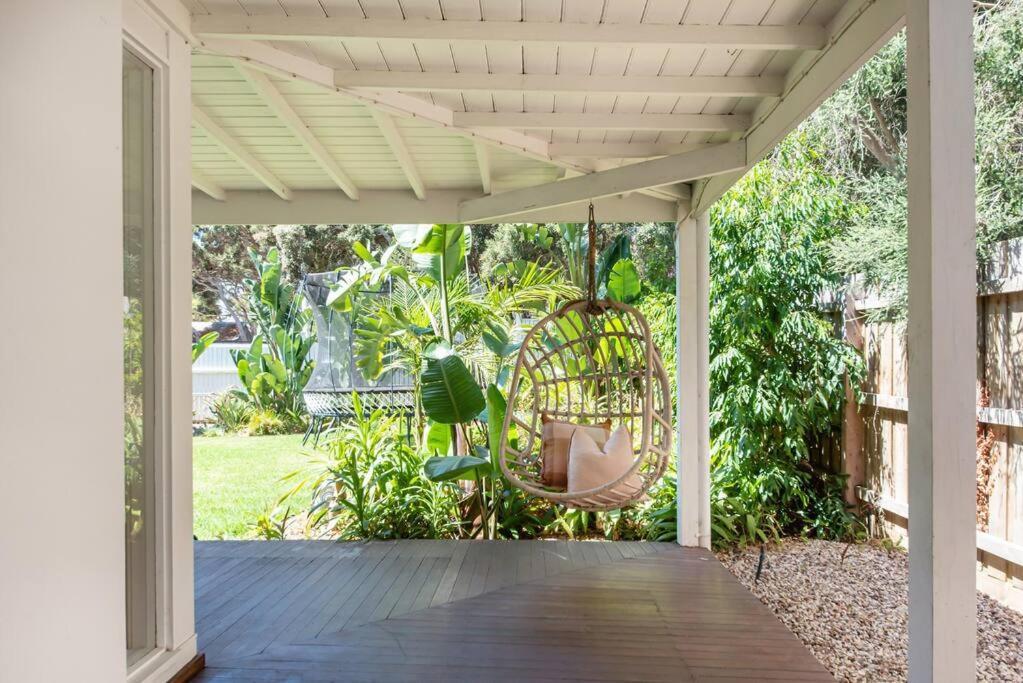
61,449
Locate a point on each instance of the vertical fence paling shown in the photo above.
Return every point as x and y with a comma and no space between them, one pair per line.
213,373
999,369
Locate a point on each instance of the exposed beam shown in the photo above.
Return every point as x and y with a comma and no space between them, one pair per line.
270,60
212,189
400,206
240,154
272,97
855,35
557,120
400,150
410,81
620,150
483,162
645,174
273,61
275,27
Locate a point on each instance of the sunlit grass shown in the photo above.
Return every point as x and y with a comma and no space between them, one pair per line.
238,477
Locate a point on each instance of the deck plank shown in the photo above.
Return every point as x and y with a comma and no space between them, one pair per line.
484,610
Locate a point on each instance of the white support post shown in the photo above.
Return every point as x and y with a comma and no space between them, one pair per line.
692,290
942,342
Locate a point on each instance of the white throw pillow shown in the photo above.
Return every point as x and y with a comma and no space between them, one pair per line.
590,466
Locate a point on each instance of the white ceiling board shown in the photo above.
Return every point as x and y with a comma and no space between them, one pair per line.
446,158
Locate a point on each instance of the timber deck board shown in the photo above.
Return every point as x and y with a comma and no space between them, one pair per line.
318,611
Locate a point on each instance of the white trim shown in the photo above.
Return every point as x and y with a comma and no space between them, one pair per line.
483,163
942,336
620,150
400,206
269,94
437,81
401,152
572,120
692,300
201,182
175,642
677,168
276,27
240,154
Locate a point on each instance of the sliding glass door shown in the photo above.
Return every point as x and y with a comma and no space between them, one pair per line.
139,349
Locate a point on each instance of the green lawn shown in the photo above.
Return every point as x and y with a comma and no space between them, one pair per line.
237,477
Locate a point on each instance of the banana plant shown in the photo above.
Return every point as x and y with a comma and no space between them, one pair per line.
276,366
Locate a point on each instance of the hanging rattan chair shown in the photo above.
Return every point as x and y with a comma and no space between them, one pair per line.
591,361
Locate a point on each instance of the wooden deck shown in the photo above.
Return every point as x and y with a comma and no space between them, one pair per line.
483,611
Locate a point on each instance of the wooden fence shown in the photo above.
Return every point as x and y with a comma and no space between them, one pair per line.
874,446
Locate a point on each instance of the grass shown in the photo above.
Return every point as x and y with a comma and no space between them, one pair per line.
236,478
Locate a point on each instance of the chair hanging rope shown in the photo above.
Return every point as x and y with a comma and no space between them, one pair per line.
590,363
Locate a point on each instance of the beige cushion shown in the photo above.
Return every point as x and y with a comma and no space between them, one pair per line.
555,441
591,466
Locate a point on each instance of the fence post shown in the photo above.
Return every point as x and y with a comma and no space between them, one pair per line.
853,426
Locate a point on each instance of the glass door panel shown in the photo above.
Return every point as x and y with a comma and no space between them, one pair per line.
139,315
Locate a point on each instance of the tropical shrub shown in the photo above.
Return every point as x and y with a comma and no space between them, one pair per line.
231,412
276,366
777,369
653,250
369,483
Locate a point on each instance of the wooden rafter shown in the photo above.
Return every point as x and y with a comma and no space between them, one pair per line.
273,98
483,162
401,152
571,120
240,154
201,182
412,81
275,27
619,150
683,167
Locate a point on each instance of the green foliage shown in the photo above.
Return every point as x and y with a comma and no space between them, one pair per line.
272,524
508,242
371,484
660,313
864,127
777,369
231,412
268,422
450,394
205,342
456,467
276,366
623,282
653,251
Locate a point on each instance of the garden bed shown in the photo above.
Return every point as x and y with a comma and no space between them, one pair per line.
851,611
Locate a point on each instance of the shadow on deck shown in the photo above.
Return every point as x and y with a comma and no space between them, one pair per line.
483,611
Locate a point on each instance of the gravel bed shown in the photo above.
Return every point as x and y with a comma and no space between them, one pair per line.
851,612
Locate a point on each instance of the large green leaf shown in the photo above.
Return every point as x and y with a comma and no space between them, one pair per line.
620,248
497,408
450,394
411,235
452,467
623,282
438,438
444,248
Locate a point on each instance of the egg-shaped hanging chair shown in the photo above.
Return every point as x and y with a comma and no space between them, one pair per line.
585,374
